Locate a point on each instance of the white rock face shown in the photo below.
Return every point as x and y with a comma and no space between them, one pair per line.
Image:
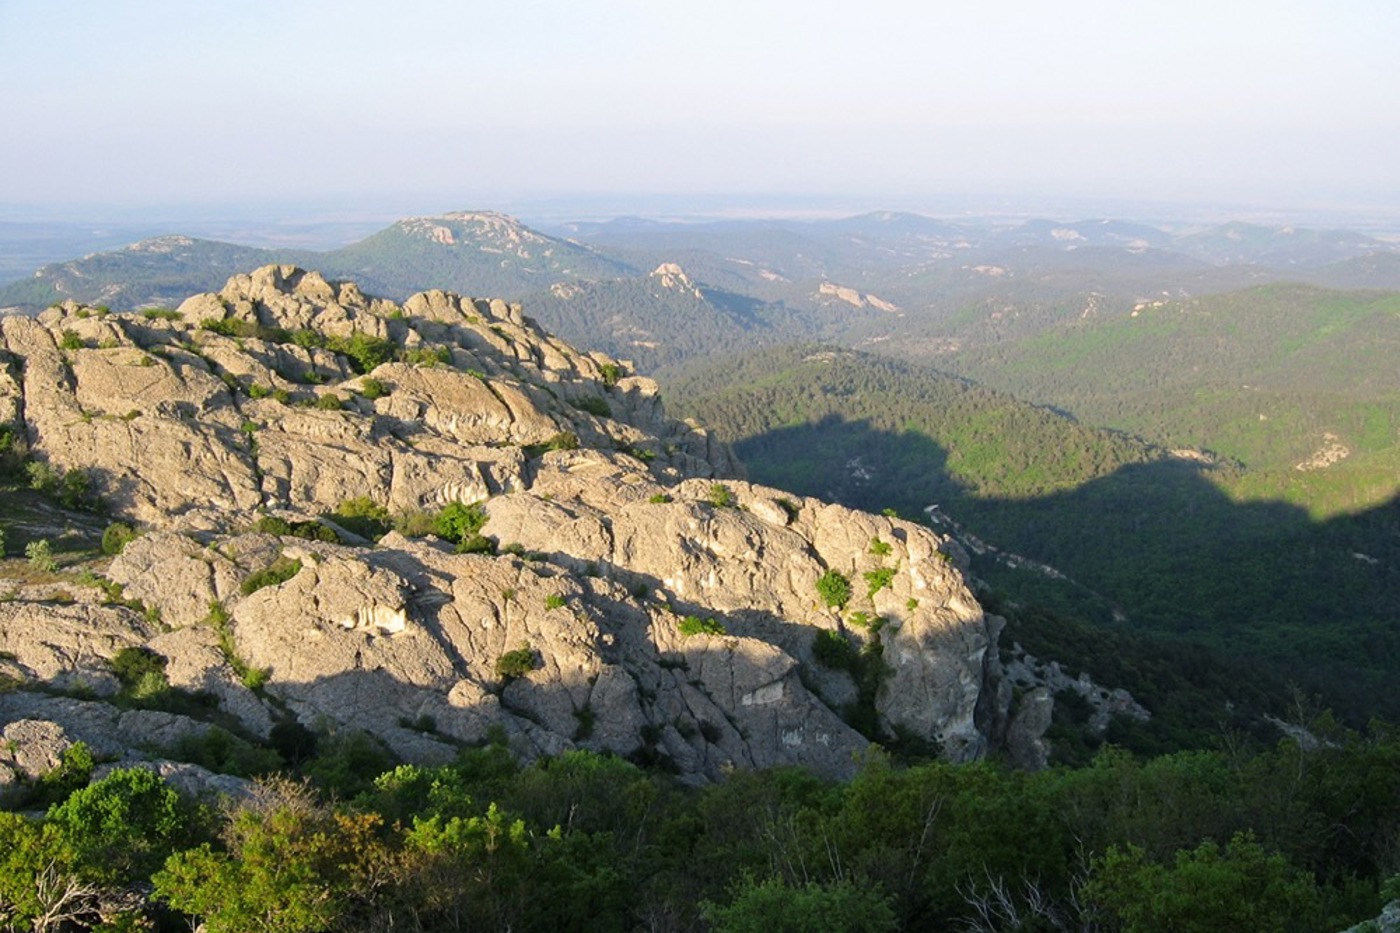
616,526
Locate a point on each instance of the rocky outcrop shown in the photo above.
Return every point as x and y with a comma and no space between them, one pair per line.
642,598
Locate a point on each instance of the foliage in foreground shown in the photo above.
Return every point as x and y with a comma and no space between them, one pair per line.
1271,839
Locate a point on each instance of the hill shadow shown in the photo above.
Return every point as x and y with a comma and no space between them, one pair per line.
1159,544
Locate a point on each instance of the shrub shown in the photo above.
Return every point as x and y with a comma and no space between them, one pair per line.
554,601
459,521
865,620
71,341
308,339
775,905
280,571
476,544
363,351
593,405
660,498
722,497
877,580
234,327
611,372
425,356
141,672
516,663
220,751
329,402
833,650
372,388
363,516
834,589
40,555
310,530
161,314
564,440
116,537
694,625
417,524
880,548
71,488
74,770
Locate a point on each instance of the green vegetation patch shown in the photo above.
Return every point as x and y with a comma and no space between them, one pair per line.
278,572
694,625
834,589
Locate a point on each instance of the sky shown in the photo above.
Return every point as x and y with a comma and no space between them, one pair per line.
423,105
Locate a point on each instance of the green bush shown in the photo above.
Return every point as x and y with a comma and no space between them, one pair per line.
329,402
611,373
834,589
372,388
161,314
141,672
593,405
40,555
833,650
476,544
722,497
363,516
116,536
880,548
222,752
564,440
72,488
71,341
425,356
459,521
279,571
694,625
363,351
417,524
554,601
310,530
660,498
272,525
877,580
516,663
774,906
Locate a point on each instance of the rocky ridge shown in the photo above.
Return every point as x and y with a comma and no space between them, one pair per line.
631,592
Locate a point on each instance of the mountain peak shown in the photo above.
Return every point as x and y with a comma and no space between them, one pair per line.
671,275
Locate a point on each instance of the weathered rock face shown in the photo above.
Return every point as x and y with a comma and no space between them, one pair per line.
644,599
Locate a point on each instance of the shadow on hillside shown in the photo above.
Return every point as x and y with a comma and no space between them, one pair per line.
1158,541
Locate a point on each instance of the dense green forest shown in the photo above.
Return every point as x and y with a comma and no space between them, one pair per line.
1242,838
1268,376
1143,535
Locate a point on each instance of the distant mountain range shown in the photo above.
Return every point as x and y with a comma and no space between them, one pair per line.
1199,429
770,260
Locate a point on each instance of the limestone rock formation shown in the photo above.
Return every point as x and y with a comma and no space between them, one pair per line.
627,592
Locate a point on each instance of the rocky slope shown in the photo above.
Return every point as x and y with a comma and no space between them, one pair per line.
630,594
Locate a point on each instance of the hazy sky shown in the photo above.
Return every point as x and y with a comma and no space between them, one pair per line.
463,103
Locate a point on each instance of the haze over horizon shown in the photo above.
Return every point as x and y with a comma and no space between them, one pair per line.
157,105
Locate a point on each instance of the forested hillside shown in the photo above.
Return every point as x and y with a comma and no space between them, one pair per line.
1298,383
1162,540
